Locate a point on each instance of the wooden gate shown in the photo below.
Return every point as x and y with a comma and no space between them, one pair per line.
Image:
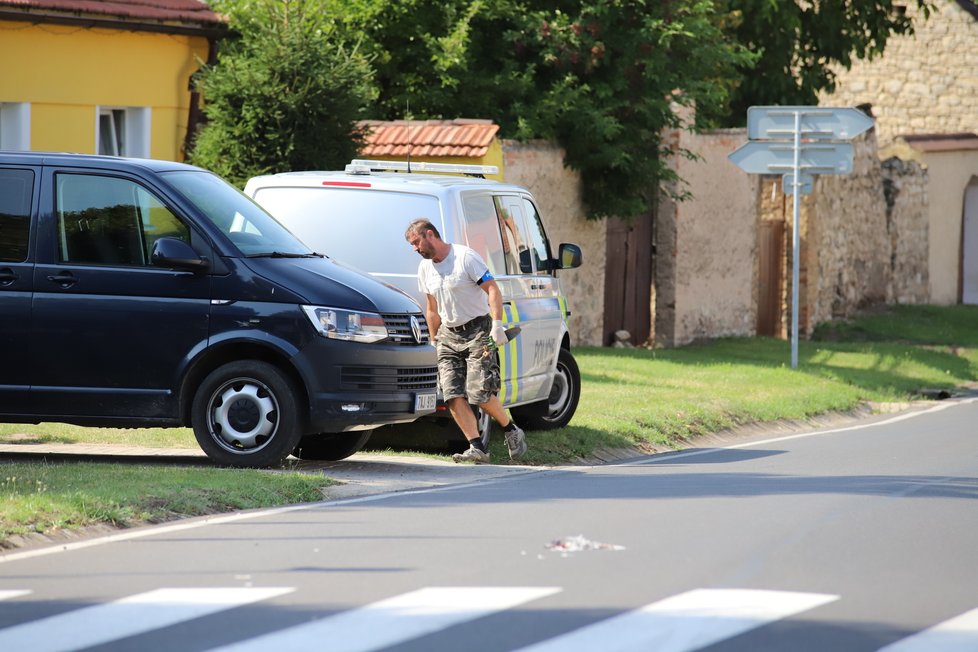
770,276
628,279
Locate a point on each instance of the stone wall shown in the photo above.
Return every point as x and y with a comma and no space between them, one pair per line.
864,239
905,186
926,83
539,166
848,243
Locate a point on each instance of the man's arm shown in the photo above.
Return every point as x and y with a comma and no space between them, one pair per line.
431,314
495,299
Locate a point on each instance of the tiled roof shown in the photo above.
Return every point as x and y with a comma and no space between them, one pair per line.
183,12
942,142
460,137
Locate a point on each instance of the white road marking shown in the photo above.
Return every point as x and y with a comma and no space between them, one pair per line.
958,634
671,457
395,620
6,595
687,621
129,616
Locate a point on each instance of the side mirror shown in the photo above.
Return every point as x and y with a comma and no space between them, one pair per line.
569,256
177,254
526,264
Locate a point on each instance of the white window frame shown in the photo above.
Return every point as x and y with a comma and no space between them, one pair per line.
15,126
130,130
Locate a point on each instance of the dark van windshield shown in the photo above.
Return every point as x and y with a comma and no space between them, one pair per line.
250,228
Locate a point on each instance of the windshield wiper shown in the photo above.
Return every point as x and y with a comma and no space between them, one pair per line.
283,254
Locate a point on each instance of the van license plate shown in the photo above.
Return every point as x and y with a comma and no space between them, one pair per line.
425,402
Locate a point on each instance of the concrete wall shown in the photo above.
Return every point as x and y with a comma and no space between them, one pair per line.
705,274
926,83
539,166
949,174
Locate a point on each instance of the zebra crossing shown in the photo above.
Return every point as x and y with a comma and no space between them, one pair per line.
679,623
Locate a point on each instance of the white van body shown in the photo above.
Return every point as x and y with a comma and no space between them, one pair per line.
360,217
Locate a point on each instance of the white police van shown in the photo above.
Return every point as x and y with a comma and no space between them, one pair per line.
359,216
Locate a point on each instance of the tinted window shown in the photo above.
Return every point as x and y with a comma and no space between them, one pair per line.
360,227
537,237
515,250
16,193
110,221
482,231
250,228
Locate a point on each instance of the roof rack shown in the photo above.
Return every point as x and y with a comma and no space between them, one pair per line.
361,166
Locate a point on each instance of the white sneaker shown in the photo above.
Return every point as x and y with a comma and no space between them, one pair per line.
472,454
515,442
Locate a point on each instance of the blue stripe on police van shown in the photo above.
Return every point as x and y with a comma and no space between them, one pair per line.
538,308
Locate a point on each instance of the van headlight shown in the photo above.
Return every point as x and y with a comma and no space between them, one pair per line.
348,325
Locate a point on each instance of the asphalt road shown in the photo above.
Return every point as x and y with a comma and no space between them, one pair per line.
856,538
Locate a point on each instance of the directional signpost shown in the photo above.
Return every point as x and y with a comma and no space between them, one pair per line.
799,142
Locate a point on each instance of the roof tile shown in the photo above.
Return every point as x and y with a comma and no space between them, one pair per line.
460,137
181,11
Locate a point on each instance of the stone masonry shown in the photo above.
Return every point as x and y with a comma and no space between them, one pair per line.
925,83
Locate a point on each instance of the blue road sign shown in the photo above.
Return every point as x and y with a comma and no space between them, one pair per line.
775,157
821,123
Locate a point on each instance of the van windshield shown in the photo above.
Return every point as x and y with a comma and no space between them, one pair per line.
364,229
253,231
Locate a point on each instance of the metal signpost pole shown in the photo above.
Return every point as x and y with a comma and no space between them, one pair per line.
795,240
775,145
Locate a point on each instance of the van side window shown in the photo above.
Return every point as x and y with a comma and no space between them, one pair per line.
16,193
510,216
537,238
110,221
482,231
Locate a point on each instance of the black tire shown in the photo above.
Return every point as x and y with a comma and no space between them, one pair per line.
245,414
558,409
331,446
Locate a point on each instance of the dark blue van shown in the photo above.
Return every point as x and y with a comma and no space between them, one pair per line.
148,293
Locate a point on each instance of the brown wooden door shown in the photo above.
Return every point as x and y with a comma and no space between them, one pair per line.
628,279
770,277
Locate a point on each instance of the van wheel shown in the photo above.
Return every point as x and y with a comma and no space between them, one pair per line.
558,409
245,414
330,446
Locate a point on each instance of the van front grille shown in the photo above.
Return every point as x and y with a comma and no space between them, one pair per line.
390,379
400,329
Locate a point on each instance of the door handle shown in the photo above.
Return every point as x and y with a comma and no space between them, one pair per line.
7,276
64,279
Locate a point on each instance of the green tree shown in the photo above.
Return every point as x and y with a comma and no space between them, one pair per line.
800,42
598,76
285,94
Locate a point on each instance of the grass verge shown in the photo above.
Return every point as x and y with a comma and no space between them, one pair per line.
41,497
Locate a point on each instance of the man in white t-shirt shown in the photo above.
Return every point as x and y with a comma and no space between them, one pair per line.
464,311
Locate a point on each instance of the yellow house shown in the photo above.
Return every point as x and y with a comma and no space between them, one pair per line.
102,77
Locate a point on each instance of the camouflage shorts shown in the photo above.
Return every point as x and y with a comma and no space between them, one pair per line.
467,362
